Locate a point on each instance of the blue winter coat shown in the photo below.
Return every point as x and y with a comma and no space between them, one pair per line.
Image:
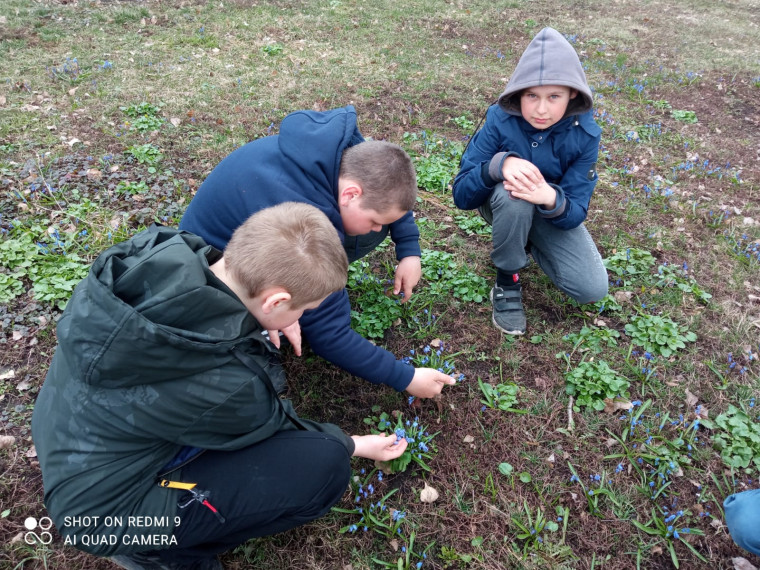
301,164
565,153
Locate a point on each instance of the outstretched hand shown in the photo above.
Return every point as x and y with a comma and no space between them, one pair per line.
428,382
292,333
408,274
379,447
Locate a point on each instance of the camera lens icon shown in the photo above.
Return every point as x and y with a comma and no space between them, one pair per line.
32,524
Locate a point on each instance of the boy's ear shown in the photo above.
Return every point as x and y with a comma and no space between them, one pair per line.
573,93
273,299
348,190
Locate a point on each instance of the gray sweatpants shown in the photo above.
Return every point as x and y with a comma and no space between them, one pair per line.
568,257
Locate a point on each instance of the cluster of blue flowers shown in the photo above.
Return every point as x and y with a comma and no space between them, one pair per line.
415,436
432,357
746,247
704,168
70,70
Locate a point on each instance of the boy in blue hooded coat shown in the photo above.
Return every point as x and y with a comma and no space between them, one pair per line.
366,188
531,171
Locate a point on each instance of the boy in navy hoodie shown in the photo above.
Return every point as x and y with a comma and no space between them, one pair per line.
531,171
366,188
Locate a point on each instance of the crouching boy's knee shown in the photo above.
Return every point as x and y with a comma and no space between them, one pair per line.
592,292
329,470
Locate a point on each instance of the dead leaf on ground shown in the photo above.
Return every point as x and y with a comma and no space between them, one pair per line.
612,405
717,524
435,343
623,296
394,546
428,494
25,384
675,380
7,373
611,442
31,453
7,441
468,439
742,564
438,399
691,399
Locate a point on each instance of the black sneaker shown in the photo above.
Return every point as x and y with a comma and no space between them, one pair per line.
147,561
508,312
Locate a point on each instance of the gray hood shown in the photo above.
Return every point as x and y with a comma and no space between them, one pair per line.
549,59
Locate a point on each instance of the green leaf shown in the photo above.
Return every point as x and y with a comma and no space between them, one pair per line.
506,469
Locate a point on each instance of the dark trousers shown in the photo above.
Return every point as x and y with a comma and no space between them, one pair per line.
280,483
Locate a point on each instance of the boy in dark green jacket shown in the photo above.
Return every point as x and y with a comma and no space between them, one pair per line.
159,429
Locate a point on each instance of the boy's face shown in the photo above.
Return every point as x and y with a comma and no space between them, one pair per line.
358,221
545,105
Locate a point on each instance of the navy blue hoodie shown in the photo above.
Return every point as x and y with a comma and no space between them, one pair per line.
301,164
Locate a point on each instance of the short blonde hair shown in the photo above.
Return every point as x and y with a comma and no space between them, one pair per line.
291,245
385,173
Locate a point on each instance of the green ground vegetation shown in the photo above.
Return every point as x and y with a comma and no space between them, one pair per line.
606,437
